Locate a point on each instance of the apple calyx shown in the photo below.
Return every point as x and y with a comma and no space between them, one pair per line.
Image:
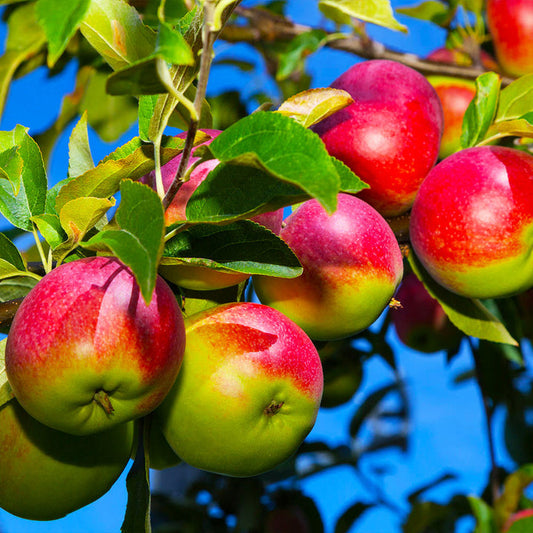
273,408
103,400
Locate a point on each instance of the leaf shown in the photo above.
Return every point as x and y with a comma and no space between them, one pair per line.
133,160
147,105
470,316
116,31
314,105
50,228
283,148
350,183
172,46
139,242
297,50
513,489
349,516
243,246
516,99
80,158
6,393
10,254
60,20
11,167
375,11
16,287
432,11
220,6
31,197
522,525
484,516
481,110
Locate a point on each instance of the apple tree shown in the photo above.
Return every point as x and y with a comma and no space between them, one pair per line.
195,295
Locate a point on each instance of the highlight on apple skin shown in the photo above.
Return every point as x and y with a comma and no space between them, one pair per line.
390,135
47,474
86,353
351,262
247,394
472,222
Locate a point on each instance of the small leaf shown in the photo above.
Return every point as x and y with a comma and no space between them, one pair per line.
374,11
481,110
172,46
294,54
470,316
485,522
6,393
11,167
220,6
140,78
350,516
80,158
147,105
16,287
50,228
10,254
314,105
60,20
139,242
432,11
516,99
243,246
350,183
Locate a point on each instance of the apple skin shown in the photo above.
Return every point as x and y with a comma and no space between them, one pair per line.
248,392
47,474
390,135
198,277
421,322
524,513
510,22
351,263
472,222
84,332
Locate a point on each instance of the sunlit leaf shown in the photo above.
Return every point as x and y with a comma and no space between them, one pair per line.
432,10
80,159
50,228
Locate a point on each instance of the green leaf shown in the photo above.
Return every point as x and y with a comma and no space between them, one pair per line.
481,110
50,228
243,246
139,242
283,148
516,99
172,46
147,105
10,254
116,31
60,20
11,167
220,6
485,522
374,11
522,525
16,287
6,393
470,316
349,516
350,183
432,11
80,158
314,105
513,489
31,197
133,160
297,50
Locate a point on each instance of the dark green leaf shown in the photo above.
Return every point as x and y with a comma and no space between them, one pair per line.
350,516
523,525
140,78
16,287
60,20
80,159
9,254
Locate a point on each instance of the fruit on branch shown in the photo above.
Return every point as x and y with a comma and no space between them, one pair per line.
86,353
510,24
390,135
351,263
197,277
472,222
47,474
421,322
248,392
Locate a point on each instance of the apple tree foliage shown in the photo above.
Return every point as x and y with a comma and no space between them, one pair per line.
149,61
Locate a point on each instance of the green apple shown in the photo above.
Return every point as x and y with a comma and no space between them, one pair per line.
248,392
47,474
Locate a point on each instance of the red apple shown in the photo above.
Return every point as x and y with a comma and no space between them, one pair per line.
472,222
390,135
421,322
248,392
352,265
86,353
47,474
510,23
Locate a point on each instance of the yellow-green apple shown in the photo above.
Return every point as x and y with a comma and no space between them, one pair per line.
515,517
47,474
472,222
510,24
197,277
85,352
351,262
248,392
390,135
421,322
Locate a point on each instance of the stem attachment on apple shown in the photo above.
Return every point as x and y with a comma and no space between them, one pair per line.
103,400
273,408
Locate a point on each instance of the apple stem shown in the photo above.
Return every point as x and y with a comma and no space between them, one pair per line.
102,399
273,408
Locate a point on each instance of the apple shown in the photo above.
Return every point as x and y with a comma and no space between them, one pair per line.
196,277
248,392
510,23
421,322
85,352
390,135
47,474
472,222
515,517
351,262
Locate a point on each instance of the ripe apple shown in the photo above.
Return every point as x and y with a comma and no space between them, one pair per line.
421,322
248,392
390,135
515,517
472,222
510,23
197,277
47,474
351,263
85,352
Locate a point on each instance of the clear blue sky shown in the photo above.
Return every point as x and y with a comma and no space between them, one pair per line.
448,430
